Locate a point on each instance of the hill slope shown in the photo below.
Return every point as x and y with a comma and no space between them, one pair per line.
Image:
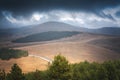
112,44
10,34
113,31
46,36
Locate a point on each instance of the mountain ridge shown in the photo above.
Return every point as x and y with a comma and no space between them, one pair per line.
55,26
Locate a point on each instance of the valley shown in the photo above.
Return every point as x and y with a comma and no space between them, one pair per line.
44,41
77,48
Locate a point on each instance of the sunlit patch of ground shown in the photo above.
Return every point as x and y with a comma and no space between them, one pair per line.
75,49
27,64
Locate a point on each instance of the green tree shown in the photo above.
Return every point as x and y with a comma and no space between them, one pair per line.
101,73
37,75
2,75
59,69
15,73
112,71
81,71
88,71
34,75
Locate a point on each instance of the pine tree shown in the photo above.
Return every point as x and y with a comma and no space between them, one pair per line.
15,73
60,69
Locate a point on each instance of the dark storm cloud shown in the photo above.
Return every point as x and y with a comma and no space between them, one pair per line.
103,15
22,6
79,12
118,14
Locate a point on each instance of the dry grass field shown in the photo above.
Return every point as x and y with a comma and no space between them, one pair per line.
76,49
28,64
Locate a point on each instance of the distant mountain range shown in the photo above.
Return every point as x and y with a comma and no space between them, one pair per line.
115,31
55,26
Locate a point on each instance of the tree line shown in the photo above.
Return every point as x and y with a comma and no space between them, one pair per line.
61,69
8,53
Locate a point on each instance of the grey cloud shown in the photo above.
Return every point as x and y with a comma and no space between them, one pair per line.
27,6
118,14
24,9
103,15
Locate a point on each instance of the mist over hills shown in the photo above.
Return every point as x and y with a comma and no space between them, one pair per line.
54,26
45,27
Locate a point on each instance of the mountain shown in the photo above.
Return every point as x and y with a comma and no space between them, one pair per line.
54,26
49,26
114,31
14,33
59,26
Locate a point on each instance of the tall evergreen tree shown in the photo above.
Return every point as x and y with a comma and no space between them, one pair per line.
15,73
60,69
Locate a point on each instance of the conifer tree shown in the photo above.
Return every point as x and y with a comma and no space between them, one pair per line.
60,69
15,73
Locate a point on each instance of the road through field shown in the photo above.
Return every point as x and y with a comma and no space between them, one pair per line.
41,57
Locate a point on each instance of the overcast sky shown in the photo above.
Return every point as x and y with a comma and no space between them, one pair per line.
81,13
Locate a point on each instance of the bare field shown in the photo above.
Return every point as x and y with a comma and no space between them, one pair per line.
75,49
27,64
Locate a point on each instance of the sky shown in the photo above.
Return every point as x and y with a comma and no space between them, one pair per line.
80,13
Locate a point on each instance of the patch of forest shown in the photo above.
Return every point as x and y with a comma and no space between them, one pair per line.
46,36
7,53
